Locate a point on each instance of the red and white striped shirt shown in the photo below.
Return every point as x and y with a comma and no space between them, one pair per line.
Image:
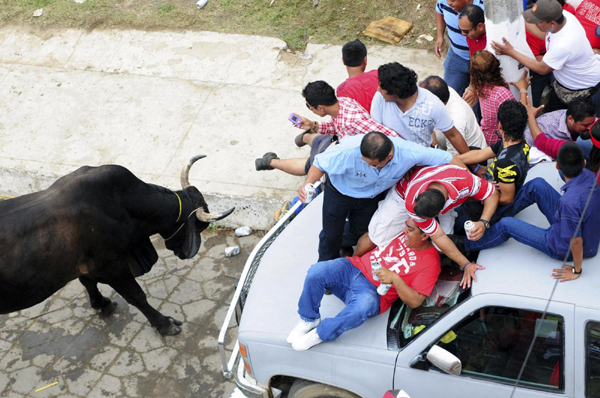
459,183
352,119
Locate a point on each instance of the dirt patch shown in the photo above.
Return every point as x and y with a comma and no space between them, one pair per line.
298,22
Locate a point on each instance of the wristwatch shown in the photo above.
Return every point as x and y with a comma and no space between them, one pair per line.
575,272
486,223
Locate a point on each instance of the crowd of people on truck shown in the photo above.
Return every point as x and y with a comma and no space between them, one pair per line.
406,164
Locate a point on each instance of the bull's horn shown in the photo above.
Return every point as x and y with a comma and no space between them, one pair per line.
185,173
208,217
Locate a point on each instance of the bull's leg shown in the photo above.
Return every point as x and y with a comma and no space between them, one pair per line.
97,300
127,286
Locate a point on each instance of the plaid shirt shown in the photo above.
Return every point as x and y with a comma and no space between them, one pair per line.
490,102
352,119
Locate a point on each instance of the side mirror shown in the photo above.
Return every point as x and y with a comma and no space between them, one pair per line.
444,360
396,394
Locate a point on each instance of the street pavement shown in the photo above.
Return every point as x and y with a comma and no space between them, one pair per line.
149,101
64,341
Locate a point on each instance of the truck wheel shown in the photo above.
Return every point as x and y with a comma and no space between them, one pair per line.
308,389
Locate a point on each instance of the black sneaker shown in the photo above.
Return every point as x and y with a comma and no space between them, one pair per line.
264,162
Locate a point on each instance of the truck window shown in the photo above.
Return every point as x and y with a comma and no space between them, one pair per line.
592,360
493,342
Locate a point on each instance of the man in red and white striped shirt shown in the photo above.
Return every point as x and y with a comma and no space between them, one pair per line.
427,193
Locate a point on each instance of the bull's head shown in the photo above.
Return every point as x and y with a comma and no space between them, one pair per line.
185,243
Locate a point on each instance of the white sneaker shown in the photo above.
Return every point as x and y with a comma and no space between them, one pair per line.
301,328
310,339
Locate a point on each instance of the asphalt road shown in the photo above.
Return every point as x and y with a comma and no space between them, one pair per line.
64,341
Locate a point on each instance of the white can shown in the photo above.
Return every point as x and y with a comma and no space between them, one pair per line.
375,265
310,191
468,227
383,289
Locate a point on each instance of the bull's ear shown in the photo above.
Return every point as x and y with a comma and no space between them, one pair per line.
192,241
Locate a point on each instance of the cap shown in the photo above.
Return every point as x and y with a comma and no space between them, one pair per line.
543,10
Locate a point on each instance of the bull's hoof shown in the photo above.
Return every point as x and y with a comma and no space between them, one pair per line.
171,329
107,307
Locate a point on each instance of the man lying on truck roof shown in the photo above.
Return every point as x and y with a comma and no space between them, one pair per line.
409,262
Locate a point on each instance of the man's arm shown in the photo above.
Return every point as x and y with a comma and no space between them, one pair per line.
533,64
441,28
490,204
457,140
314,174
566,272
507,194
532,112
443,242
457,162
407,294
476,156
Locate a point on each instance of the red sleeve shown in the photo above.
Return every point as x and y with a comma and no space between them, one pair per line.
485,188
549,146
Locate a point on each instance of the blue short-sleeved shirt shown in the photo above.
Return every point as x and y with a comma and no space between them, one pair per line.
570,210
352,176
417,123
457,40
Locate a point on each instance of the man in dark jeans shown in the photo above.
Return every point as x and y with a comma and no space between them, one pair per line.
360,169
573,228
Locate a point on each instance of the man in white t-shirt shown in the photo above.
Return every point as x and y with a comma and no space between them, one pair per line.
462,114
569,55
411,111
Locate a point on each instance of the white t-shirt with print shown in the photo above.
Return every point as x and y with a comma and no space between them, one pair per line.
417,123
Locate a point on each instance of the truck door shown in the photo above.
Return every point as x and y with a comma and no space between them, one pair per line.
491,336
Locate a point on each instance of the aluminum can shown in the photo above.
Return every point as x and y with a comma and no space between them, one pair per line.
383,289
468,227
310,191
375,265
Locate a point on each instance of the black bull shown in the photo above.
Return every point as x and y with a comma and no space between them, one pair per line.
95,224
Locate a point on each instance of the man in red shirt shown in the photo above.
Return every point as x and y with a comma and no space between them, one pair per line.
360,85
409,263
437,190
471,23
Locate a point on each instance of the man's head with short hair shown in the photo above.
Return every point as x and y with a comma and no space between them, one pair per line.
570,160
437,86
430,203
512,116
354,53
376,149
581,113
397,79
319,93
471,22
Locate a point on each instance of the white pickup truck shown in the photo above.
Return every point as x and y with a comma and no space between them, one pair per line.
479,342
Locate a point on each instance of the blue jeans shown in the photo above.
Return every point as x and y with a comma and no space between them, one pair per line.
336,207
456,72
348,284
535,191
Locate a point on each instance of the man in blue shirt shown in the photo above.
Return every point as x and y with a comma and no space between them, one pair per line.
456,65
360,170
563,214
